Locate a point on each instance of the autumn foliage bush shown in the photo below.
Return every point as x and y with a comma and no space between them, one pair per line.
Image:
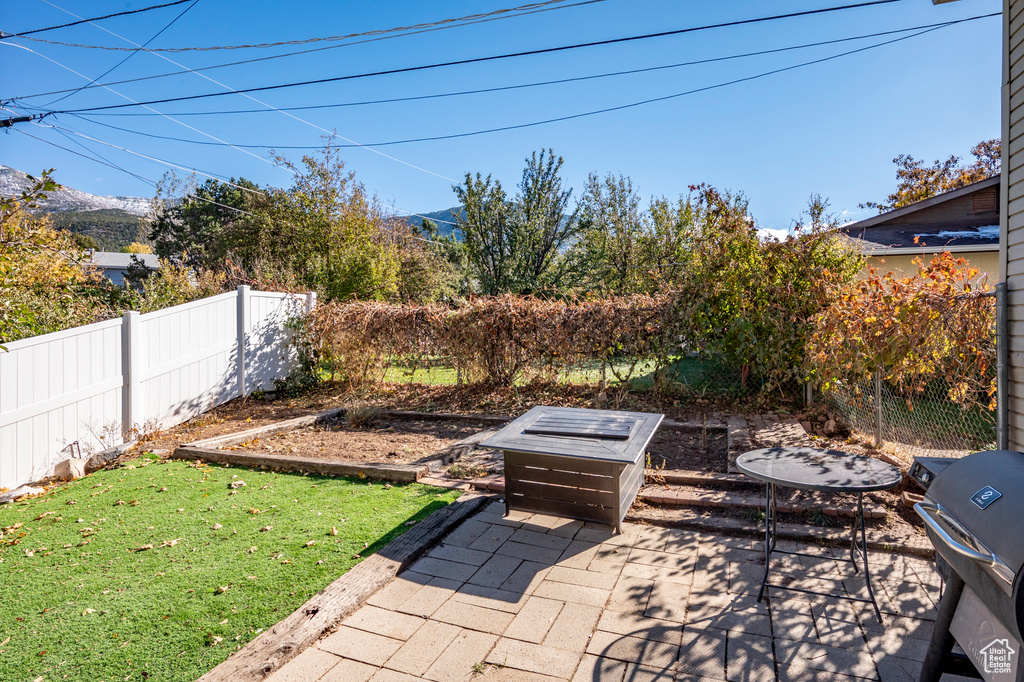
938,323
491,339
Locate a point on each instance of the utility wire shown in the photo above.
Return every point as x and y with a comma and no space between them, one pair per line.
472,18
154,159
608,109
230,90
63,130
170,118
130,55
519,86
85,21
509,55
312,50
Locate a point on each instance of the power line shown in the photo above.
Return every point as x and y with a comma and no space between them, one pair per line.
85,21
472,18
154,159
477,60
309,51
40,116
262,103
102,160
615,108
130,55
519,86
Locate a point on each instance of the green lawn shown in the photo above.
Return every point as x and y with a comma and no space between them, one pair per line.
161,571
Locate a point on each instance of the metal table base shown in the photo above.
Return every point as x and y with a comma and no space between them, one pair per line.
856,548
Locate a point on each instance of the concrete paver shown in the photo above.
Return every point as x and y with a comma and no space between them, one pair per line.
473,617
429,597
467,650
537,658
308,665
417,654
348,670
365,647
535,619
573,627
533,598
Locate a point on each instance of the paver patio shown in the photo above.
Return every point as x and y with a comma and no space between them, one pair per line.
535,598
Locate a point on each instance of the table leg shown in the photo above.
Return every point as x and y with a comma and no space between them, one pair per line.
769,533
864,553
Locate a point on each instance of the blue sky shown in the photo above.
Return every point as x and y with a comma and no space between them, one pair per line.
831,128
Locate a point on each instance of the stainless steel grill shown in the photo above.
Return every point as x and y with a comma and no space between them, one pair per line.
974,515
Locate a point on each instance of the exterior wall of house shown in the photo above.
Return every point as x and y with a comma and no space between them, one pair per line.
986,262
1012,242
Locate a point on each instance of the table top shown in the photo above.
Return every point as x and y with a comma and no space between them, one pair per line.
822,470
607,435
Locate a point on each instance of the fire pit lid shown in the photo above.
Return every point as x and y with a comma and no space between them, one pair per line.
608,435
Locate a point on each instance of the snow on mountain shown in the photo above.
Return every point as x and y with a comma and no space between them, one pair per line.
13,182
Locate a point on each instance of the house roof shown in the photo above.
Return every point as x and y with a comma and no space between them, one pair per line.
945,221
111,260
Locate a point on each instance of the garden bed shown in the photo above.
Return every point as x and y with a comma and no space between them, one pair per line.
163,570
384,440
691,449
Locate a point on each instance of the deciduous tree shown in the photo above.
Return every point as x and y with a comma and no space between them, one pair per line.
916,181
521,245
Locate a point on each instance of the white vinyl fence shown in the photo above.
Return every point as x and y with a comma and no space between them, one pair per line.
95,385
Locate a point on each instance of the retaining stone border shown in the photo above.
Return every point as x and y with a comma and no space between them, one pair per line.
258,659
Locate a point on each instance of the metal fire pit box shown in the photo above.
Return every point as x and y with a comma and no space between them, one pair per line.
582,464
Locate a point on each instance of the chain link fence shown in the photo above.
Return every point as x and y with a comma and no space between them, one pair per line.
937,414
689,378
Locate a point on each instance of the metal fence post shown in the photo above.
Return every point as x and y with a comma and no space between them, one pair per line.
808,394
878,408
310,301
243,334
1002,372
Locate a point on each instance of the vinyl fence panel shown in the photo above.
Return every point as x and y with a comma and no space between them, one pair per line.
187,357
269,353
97,385
55,390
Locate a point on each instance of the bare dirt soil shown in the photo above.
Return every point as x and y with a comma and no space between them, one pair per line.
693,450
390,441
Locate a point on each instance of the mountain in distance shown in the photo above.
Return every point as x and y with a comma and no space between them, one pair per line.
111,222
445,220
14,181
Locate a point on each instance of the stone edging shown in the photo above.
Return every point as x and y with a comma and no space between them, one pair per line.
258,659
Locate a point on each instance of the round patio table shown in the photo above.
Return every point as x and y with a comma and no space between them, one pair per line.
829,471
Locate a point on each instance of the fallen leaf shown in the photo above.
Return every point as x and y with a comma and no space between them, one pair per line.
264,529
310,543
163,490
143,548
334,531
88,611
252,549
216,526
237,484
222,589
224,622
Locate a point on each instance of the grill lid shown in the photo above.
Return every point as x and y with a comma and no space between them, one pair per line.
984,493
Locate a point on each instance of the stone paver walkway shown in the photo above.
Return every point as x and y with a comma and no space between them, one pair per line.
534,598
